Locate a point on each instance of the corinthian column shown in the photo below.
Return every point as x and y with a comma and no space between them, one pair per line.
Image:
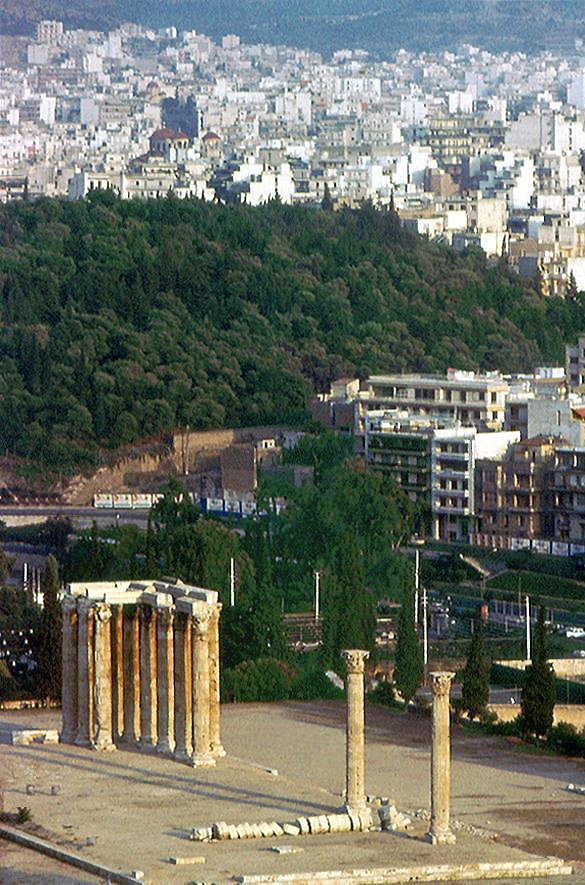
183,688
202,757
147,676
216,747
440,832
70,663
117,641
85,674
355,791
131,675
103,678
165,683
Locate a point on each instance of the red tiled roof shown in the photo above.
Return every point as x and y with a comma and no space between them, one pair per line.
167,133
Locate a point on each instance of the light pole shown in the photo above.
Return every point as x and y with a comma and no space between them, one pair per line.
317,594
528,651
232,582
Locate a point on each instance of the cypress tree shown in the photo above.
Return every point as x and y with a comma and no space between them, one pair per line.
408,670
50,652
349,614
476,688
538,694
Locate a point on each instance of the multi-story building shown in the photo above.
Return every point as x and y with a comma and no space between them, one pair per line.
513,494
568,493
433,465
575,363
464,397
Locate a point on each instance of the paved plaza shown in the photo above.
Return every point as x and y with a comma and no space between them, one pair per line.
138,809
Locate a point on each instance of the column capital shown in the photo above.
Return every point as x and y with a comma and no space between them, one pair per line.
145,612
355,659
69,603
102,612
201,624
441,682
165,616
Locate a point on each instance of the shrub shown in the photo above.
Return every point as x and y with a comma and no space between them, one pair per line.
311,684
266,679
383,694
564,739
23,814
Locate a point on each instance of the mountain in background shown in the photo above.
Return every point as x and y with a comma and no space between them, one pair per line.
378,26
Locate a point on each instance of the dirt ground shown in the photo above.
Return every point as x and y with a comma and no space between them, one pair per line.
138,809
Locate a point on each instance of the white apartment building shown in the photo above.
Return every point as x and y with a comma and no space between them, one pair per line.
464,397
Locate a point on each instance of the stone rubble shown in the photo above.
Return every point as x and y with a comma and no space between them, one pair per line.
316,825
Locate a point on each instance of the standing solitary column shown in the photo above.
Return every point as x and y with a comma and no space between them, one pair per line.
85,674
70,663
165,684
355,788
183,688
117,641
216,747
103,678
147,676
202,757
440,833
131,675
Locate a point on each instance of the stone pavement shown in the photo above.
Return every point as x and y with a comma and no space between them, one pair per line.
137,809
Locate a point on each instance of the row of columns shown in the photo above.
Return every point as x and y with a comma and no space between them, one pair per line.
355,791
142,675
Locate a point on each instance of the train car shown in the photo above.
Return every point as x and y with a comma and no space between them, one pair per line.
141,501
123,501
103,501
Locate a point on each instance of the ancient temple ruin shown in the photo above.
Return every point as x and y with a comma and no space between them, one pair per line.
141,668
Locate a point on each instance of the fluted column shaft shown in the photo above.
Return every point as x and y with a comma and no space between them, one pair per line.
117,642
440,832
165,682
183,688
131,676
148,696
201,735
216,747
103,678
355,790
69,689
85,674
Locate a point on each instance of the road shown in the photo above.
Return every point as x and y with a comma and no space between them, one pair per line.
82,517
497,695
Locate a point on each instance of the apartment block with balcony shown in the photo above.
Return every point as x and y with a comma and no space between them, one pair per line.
568,493
463,397
514,497
575,363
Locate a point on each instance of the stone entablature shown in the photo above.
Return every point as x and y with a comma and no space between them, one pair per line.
141,668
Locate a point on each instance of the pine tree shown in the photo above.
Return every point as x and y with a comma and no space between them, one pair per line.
50,653
538,694
475,688
408,670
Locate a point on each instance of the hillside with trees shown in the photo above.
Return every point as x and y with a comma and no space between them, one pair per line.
122,320
378,26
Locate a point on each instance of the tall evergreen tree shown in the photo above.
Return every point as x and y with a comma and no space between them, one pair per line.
49,651
476,688
409,668
349,613
538,694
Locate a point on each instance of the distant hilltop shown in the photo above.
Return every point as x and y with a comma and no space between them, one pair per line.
379,27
